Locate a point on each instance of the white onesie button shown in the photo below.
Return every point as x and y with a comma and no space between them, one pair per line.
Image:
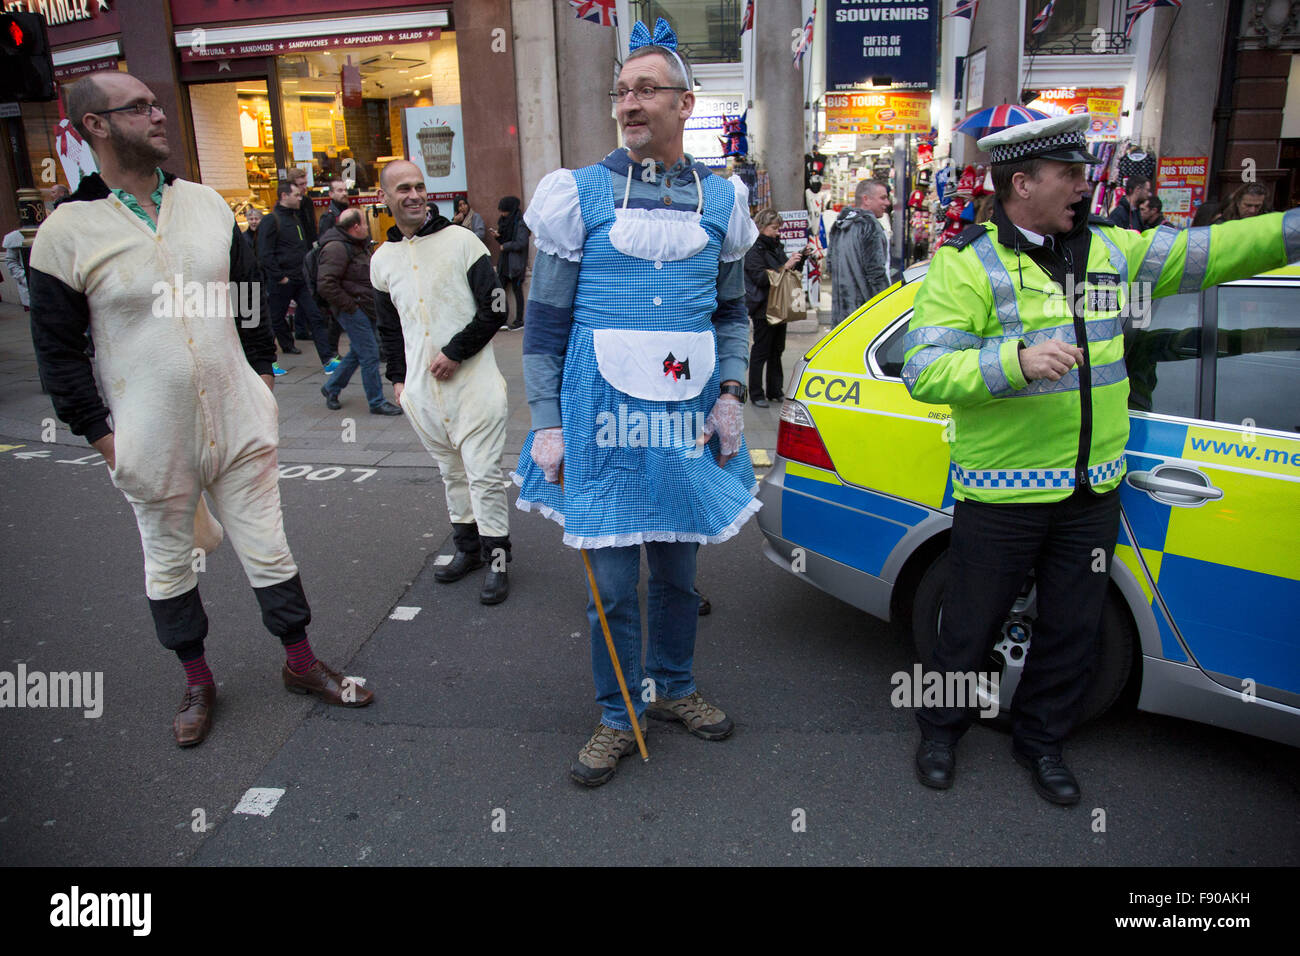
658,265
658,301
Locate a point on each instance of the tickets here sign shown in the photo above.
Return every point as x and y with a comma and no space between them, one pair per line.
794,230
884,112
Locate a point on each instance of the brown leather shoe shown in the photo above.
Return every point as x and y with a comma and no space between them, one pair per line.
328,685
194,719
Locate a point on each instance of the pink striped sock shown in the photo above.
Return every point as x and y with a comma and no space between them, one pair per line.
300,656
196,671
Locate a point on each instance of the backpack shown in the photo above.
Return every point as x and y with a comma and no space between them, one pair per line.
310,270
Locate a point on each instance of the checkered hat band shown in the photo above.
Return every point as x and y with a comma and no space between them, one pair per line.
1013,152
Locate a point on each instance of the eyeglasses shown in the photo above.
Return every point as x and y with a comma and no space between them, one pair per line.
139,109
642,93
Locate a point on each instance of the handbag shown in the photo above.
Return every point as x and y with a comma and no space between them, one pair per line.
786,301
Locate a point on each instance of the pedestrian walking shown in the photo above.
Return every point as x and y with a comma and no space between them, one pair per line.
343,281
859,251
338,203
282,247
190,397
1137,189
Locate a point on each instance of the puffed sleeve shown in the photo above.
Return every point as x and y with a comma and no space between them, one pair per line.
555,216
741,231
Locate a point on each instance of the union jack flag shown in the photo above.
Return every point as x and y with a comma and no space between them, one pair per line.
1136,10
747,21
597,11
1040,21
965,9
806,40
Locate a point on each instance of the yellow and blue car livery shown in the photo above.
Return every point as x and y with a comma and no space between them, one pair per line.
859,503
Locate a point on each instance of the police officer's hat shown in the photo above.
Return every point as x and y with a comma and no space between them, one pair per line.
1059,137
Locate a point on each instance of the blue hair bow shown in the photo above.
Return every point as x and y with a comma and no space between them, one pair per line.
663,36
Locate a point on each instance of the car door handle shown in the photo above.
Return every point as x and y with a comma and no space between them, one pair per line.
1153,484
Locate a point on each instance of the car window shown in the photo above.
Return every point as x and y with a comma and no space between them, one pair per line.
1258,357
890,354
1162,356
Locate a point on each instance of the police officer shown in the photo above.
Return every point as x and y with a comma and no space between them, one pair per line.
1039,391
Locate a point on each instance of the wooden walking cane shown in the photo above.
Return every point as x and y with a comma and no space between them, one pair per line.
613,654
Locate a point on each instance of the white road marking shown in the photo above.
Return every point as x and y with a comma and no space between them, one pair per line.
259,801
404,613
442,559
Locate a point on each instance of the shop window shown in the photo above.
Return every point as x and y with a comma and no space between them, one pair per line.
366,131
707,32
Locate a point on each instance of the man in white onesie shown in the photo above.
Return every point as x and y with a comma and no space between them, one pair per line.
439,303
186,378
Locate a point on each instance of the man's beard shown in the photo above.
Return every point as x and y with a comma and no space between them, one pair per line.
137,155
638,138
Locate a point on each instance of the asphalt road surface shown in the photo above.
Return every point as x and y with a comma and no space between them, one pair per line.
463,758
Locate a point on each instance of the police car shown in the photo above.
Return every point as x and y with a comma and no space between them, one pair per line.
1201,617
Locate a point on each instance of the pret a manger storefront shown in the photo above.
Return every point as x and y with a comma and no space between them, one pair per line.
337,87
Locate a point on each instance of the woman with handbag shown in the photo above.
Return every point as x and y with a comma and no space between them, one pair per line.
513,236
766,253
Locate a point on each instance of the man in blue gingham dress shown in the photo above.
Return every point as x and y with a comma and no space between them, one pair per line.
635,347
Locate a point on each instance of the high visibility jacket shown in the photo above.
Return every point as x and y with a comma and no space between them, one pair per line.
985,297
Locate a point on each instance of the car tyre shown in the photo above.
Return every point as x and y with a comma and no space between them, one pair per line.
1109,676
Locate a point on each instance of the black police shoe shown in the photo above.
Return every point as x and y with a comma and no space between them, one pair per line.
462,564
935,764
496,588
1052,778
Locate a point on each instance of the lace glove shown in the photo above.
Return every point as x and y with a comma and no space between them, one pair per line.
727,421
548,452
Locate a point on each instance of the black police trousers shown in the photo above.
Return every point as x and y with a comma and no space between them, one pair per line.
1069,545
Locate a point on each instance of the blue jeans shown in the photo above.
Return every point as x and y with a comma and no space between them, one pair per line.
364,352
672,615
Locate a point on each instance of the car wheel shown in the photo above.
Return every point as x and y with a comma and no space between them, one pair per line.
1010,646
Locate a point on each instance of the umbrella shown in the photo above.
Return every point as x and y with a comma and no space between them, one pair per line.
996,118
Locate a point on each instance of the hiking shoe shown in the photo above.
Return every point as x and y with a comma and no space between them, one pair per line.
700,717
599,758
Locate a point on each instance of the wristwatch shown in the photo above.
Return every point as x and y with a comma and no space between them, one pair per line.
739,391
